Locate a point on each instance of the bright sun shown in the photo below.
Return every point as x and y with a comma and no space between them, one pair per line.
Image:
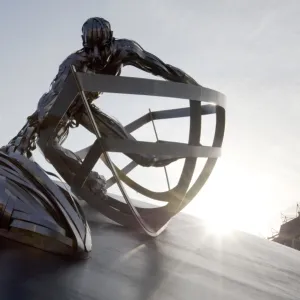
219,228
227,204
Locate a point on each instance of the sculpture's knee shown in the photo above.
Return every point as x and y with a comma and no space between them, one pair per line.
48,150
142,160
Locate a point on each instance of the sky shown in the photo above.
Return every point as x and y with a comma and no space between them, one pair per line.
248,50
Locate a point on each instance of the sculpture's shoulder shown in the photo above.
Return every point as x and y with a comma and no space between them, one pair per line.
78,59
127,45
126,50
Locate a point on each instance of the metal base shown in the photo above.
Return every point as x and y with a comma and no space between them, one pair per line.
184,262
36,212
123,265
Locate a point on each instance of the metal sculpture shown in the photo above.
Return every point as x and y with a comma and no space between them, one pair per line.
82,77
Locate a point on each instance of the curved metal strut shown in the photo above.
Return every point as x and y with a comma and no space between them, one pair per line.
151,220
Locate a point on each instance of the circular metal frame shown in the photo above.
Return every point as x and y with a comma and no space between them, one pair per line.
151,220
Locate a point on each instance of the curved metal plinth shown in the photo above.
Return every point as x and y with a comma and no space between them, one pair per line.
37,212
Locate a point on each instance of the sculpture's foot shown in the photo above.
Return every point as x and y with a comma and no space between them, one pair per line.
163,162
96,184
152,161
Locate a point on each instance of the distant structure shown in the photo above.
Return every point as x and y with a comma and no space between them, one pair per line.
289,233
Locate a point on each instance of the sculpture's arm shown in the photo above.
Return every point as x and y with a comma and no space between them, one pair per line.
79,60
24,141
133,54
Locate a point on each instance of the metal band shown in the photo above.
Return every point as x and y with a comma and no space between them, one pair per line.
153,220
141,86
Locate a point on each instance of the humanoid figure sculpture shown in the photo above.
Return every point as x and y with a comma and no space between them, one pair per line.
101,54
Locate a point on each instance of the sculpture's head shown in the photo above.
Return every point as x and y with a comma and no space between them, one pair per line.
97,38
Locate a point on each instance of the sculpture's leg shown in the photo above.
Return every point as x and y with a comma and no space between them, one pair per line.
108,127
68,163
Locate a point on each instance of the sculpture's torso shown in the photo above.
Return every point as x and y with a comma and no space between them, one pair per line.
85,62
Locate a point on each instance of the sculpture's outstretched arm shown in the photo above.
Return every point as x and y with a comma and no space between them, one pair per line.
134,55
130,53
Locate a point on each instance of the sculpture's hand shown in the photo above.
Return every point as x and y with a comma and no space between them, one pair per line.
25,141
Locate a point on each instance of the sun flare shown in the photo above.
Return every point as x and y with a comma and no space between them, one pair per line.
219,228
